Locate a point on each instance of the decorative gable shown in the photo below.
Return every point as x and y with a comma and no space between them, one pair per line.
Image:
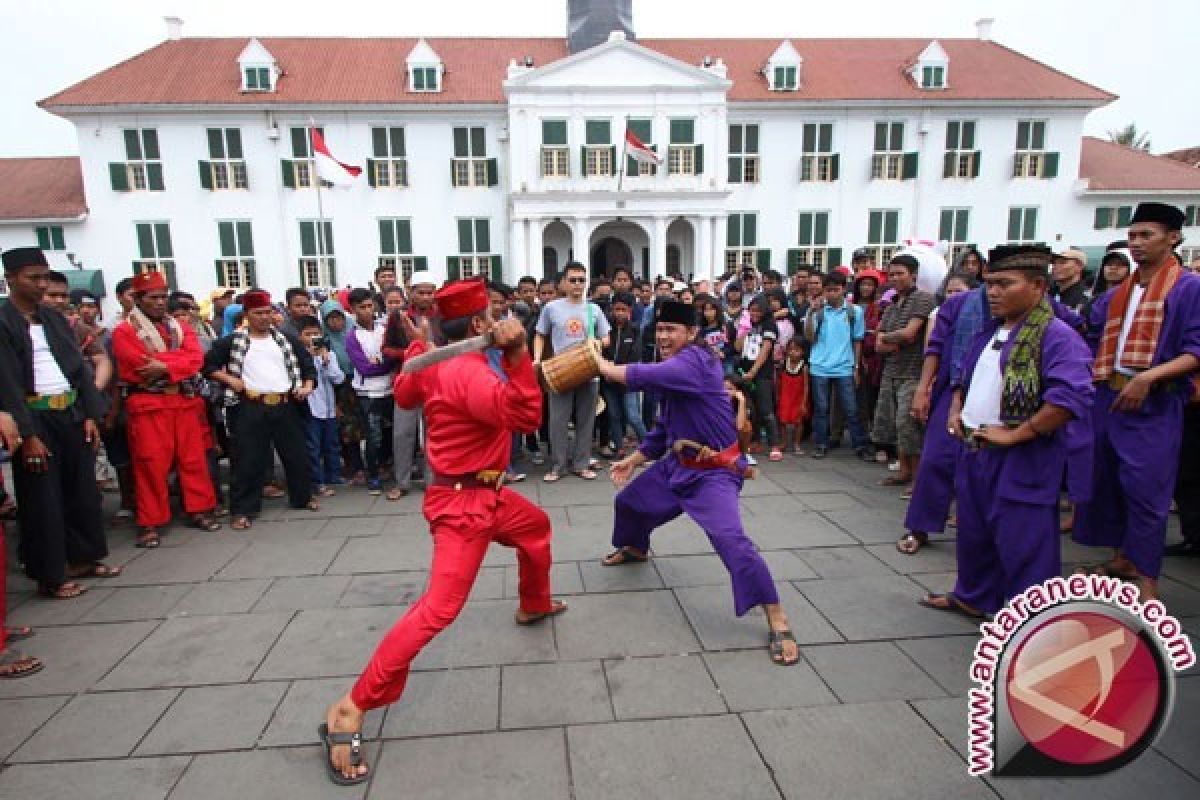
932,68
618,63
259,70
425,68
783,68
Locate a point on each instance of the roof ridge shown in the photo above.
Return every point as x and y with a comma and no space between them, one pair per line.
1170,163
45,100
1055,70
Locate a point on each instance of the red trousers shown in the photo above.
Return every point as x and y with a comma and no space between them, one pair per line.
463,524
172,433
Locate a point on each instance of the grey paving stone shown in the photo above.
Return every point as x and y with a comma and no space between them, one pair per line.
662,686
880,608
539,695
295,529
391,589
869,526
347,527
870,671
773,529
295,773
947,716
192,651
598,578
303,708
383,554
277,559
576,543
209,718
844,562
750,681
1180,742
937,556
512,765
786,565
76,657
193,563
692,758
489,585
446,701
868,750
130,779
814,478
947,659
327,642
1180,599
831,501
616,625
294,594
22,716
42,611
226,597
710,611
105,725
137,602
564,579
699,570
485,635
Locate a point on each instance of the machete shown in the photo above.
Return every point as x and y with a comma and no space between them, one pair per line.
437,356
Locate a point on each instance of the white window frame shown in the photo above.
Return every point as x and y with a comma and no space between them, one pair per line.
888,164
791,77
391,170
425,69
157,263
681,159
1025,213
257,69
471,265
815,254
957,245
1030,161
227,173
883,250
404,266
235,267
598,161
556,161
471,170
933,76
737,257
136,168
317,268
751,165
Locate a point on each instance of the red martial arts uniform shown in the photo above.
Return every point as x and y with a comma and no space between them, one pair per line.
471,413
165,429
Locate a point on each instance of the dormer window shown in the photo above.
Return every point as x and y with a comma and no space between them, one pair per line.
258,67
784,79
424,79
933,77
425,68
783,68
256,79
932,68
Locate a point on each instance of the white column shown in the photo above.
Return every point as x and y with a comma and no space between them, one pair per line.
516,250
718,244
533,258
658,247
581,232
702,235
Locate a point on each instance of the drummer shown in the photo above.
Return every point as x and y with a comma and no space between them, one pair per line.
698,469
570,322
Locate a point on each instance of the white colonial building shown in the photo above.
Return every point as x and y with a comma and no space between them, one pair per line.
506,156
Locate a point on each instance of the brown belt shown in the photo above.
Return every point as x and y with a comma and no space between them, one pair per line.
491,479
1119,380
267,398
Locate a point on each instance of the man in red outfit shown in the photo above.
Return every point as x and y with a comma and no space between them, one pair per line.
473,403
157,361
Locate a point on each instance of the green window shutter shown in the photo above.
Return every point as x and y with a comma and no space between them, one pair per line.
43,237
583,160
206,181
251,77
897,138
881,136
597,131
133,145
420,264
751,138
821,228
683,131
483,237
300,142
333,280
808,140
233,138
835,256
172,284
1124,216
289,174
57,240
735,138
493,172
216,143
1103,218
1190,216
949,164
946,225
119,176
910,165
699,159
328,228
371,177
778,78
245,239
642,128
419,79
497,269
791,77
1023,135
952,132
968,135
154,177
227,239
961,220
749,230
612,160
806,229
1050,168
835,166
793,260
453,174
733,230
735,169
162,238
1014,224
460,142
478,143
874,227
891,223
396,138
762,259
453,272
825,138
379,143
145,240
308,238
1038,133
252,274
1030,227
554,131
150,144
220,272
975,163
387,237
404,236
466,236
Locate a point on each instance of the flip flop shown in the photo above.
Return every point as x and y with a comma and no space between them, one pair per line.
551,477
895,480
586,474
559,607
97,570
147,539
19,665
775,640
241,523
910,543
64,591
626,556
204,522
953,605
329,741
18,633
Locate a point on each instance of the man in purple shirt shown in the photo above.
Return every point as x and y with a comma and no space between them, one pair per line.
698,469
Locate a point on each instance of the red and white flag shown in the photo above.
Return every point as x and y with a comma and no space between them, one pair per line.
639,150
328,167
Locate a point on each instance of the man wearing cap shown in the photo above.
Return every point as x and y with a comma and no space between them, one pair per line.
220,299
1067,272
473,404
268,375
158,361
47,386
1021,405
698,469
1149,349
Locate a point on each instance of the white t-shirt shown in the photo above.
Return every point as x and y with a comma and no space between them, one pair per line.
371,342
48,378
1135,298
982,406
263,369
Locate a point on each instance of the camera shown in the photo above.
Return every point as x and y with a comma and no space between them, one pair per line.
320,343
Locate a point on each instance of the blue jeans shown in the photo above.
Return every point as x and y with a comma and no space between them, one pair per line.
624,408
373,410
846,396
324,451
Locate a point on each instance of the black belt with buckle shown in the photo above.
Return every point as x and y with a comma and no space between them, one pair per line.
484,479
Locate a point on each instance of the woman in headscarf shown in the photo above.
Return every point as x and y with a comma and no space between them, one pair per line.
972,262
232,312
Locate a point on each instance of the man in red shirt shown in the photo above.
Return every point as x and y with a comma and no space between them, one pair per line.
473,404
158,360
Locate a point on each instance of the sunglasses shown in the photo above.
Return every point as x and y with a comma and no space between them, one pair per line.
576,280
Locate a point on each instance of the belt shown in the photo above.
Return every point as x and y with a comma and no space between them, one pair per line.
267,398
484,479
51,402
973,444
1119,380
169,389
707,458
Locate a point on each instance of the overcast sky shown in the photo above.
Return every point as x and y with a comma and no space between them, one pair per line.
1145,52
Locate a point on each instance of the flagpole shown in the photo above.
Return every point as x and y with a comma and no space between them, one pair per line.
624,154
312,124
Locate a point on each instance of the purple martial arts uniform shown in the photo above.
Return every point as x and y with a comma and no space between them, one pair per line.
1137,453
693,405
1008,496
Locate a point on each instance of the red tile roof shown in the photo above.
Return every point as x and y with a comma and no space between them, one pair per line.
367,71
1189,156
1113,167
41,188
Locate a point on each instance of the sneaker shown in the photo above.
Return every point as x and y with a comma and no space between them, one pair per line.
894,466
820,452
375,487
751,460
514,477
776,454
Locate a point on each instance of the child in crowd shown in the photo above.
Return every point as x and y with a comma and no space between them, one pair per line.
324,447
757,367
716,333
793,396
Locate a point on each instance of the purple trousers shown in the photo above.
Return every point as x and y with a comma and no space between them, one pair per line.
934,487
1003,547
710,498
1136,462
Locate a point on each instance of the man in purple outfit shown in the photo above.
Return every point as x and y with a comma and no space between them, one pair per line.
698,468
1022,407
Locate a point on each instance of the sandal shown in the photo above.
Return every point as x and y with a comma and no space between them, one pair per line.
273,491
242,523
331,740
775,640
910,543
205,522
15,664
64,591
950,602
18,633
557,608
624,555
587,474
147,538
96,570
895,480
313,505
551,477
395,494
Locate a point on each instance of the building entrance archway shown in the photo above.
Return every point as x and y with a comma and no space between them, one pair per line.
608,254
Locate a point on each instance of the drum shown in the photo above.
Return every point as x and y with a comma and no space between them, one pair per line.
571,368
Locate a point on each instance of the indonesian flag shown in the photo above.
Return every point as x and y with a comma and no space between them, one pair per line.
328,167
639,151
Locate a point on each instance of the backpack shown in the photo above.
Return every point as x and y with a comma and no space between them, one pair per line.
851,311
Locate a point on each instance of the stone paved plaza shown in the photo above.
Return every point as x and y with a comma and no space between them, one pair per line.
203,671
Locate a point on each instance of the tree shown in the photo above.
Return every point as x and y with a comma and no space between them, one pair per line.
1130,136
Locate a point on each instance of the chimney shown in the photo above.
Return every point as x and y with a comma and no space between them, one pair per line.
983,29
174,28
589,22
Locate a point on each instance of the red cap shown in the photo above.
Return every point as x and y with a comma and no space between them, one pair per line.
256,298
148,282
462,298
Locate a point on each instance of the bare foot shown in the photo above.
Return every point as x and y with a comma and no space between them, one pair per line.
345,717
530,617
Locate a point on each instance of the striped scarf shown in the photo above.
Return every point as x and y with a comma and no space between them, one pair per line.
237,356
149,335
1147,323
1023,373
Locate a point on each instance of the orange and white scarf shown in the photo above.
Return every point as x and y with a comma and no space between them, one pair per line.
1142,341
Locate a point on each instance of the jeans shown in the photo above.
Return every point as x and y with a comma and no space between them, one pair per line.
373,410
844,386
624,409
324,451
579,404
406,430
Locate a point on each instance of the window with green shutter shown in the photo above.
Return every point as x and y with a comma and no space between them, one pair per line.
684,156
424,79
50,237
1022,225
953,228
741,240
142,170
1103,218
743,153
155,250
554,132
1124,216
225,167
235,266
643,129
256,79
470,165
683,131
389,166
597,131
